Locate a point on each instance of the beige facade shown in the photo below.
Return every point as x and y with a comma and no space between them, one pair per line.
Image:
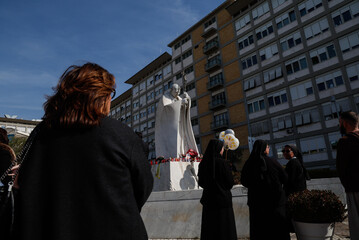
278,70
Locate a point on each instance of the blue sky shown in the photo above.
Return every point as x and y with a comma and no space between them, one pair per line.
39,39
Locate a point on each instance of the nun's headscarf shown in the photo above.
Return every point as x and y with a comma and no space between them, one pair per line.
296,152
257,155
212,152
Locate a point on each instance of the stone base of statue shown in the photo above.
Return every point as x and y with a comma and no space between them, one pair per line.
175,175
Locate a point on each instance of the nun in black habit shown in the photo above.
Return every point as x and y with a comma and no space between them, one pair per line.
265,177
297,174
215,177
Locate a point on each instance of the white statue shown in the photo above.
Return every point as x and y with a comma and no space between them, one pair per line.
173,130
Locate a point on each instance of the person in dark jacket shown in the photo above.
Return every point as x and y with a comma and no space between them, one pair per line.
348,167
215,177
86,175
297,174
265,177
7,159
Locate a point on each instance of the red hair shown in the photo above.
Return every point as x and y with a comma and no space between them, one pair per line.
80,97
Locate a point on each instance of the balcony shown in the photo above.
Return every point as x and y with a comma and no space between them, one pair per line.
213,64
210,47
217,103
209,32
223,123
215,83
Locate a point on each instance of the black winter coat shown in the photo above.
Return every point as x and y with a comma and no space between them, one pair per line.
84,184
296,177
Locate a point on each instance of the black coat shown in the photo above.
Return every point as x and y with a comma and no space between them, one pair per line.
215,177
266,199
84,184
348,161
296,177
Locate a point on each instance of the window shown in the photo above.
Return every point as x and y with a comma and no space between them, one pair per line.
309,6
256,105
307,116
142,86
277,98
264,31
272,74
193,103
281,123
242,22
332,109
219,98
194,121
260,10
190,86
178,60
167,86
290,41
135,90
316,28
301,90
150,125
158,91
136,117
214,80
150,96
285,19
149,81
346,13
312,145
158,76
142,100
143,113
188,70
186,39
252,83
329,80
136,103
210,22
268,52
322,54
245,41
177,45
151,109
260,128
187,54
220,119
249,61
349,42
167,70
295,65
353,72
277,3
178,76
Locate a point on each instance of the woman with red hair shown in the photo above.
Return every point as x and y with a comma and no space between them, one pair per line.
86,175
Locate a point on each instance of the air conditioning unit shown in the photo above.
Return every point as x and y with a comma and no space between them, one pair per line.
290,130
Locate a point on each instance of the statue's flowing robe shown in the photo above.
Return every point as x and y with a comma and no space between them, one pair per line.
173,129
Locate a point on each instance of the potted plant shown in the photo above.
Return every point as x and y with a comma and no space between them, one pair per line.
315,210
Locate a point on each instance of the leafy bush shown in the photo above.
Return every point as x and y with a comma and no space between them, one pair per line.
316,206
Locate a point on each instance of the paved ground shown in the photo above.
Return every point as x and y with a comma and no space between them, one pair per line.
341,232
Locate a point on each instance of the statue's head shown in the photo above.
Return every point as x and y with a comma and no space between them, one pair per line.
175,90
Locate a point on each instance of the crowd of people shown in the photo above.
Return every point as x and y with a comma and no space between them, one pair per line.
86,175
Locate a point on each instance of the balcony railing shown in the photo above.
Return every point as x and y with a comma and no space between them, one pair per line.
213,64
217,103
215,83
210,46
224,123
